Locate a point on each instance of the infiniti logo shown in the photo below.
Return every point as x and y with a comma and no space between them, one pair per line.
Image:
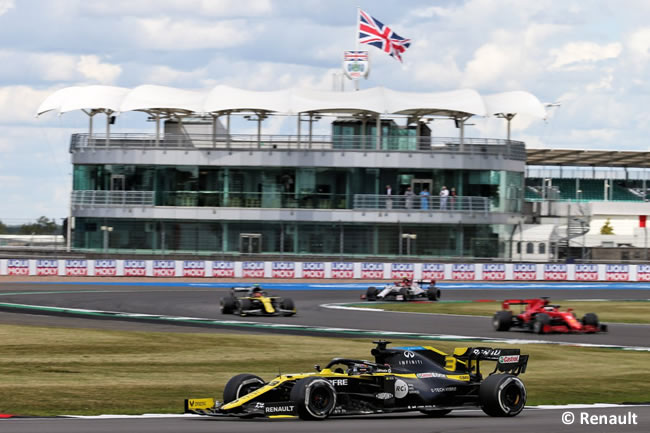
409,354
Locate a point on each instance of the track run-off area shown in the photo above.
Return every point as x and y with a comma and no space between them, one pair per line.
323,309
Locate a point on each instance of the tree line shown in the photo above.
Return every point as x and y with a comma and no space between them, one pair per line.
42,226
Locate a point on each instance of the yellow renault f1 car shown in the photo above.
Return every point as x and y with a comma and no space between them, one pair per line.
255,301
400,379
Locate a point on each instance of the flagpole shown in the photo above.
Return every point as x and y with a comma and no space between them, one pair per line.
356,41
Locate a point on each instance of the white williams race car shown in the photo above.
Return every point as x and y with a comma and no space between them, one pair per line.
405,290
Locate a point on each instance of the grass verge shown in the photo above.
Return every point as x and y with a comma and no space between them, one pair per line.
607,311
54,371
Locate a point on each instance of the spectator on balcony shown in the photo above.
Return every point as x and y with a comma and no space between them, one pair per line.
389,198
444,195
408,198
424,198
452,199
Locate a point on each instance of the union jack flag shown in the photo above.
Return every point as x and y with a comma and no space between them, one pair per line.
373,32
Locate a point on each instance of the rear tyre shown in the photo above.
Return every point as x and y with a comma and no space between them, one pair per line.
240,385
405,294
228,305
287,304
541,320
502,395
436,413
433,294
371,294
502,320
590,319
314,397
244,306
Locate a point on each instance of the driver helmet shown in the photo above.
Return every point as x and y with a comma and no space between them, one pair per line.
406,280
257,290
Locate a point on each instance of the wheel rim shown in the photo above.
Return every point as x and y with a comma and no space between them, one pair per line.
320,399
512,397
248,387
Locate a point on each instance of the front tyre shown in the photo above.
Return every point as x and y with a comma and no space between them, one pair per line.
240,385
502,395
433,293
371,294
314,397
590,319
288,307
541,320
228,305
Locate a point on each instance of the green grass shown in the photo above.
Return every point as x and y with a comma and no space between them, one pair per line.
52,371
608,311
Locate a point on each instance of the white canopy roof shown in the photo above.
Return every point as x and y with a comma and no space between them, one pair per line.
515,103
160,99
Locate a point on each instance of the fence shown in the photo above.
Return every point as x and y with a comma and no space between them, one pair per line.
334,270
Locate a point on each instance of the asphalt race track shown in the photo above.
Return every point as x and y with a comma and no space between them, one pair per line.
201,300
531,420
198,301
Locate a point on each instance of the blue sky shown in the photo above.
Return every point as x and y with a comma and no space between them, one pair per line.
593,57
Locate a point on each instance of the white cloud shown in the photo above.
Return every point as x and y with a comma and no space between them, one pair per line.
92,68
5,5
580,53
148,8
180,35
639,44
19,103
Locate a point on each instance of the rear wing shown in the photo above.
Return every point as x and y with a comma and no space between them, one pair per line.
507,360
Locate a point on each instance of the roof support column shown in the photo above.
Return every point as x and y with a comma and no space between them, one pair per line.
214,130
311,121
378,127
259,130
157,117
228,130
298,136
108,126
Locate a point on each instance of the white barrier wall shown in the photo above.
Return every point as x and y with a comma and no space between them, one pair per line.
334,270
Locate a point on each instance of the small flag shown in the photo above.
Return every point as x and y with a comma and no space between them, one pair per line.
374,32
642,219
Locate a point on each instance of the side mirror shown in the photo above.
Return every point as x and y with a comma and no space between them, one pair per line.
317,367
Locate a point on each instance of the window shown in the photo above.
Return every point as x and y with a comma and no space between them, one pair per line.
530,248
518,247
541,249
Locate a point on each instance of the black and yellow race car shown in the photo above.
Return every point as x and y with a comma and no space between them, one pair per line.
255,301
400,379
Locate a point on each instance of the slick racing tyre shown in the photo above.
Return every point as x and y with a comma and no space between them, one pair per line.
502,320
228,305
590,319
240,385
540,320
314,397
244,306
502,395
287,304
405,294
433,294
371,294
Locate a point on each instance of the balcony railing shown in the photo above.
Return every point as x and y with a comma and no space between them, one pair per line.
290,200
112,198
451,145
274,200
466,204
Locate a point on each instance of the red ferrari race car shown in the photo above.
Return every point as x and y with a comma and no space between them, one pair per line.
540,317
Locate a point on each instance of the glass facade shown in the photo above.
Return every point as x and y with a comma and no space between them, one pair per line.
286,237
290,187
